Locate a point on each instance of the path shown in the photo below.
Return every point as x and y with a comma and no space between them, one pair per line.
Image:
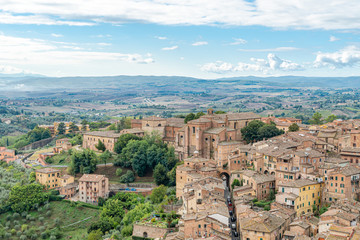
78,222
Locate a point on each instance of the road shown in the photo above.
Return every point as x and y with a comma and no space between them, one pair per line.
226,195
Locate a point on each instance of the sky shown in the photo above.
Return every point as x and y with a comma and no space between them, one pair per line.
196,38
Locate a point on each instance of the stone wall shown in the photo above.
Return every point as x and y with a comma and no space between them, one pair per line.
149,231
37,144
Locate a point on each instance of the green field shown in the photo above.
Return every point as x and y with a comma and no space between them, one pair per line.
70,220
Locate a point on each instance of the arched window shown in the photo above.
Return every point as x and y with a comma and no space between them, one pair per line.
145,235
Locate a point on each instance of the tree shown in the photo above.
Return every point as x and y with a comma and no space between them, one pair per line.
220,112
268,131
128,177
100,146
189,117
112,212
294,127
105,157
158,194
316,119
82,162
250,132
272,195
102,225
73,128
23,198
84,124
61,128
331,118
160,175
95,235
123,141
236,182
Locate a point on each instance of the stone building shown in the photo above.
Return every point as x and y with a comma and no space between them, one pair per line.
93,186
342,183
264,226
62,145
206,133
49,177
109,138
300,195
193,169
7,155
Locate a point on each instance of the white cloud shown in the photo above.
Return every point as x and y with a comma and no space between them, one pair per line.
170,48
200,43
305,14
217,67
104,44
278,49
27,52
56,35
238,41
161,38
5,69
346,57
333,39
272,63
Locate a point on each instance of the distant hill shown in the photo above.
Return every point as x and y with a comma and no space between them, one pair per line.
39,83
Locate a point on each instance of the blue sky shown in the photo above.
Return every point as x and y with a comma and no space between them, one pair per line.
198,38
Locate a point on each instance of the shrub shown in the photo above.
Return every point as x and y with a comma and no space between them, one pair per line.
24,227
18,233
17,227
24,214
41,219
48,213
267,208
42,228
28,217
8,218
16,215
44,235
119,171
23,237
13,231
52,237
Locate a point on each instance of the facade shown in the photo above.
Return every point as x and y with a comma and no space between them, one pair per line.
54,128
93,186
342,183
7,155
62,145
301,195
109,138
48,177
193,169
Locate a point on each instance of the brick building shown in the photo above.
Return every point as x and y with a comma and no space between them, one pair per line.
342,183
193,169
109,138
93,186
7,155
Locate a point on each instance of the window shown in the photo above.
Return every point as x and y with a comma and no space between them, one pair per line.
199,226
336,178
342,179
193,129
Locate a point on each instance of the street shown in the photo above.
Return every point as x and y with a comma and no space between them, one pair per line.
226,195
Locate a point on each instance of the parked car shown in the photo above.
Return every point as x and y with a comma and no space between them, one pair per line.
231,213
228,199
233,226
233,219
236,234
230,204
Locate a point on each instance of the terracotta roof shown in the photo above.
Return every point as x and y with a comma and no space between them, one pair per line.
47,170
110,134
153,118
175,122
91,178
215,130
240,116
298,183
264,222
347,171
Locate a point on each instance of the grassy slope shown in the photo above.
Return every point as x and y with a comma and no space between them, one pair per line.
66,214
